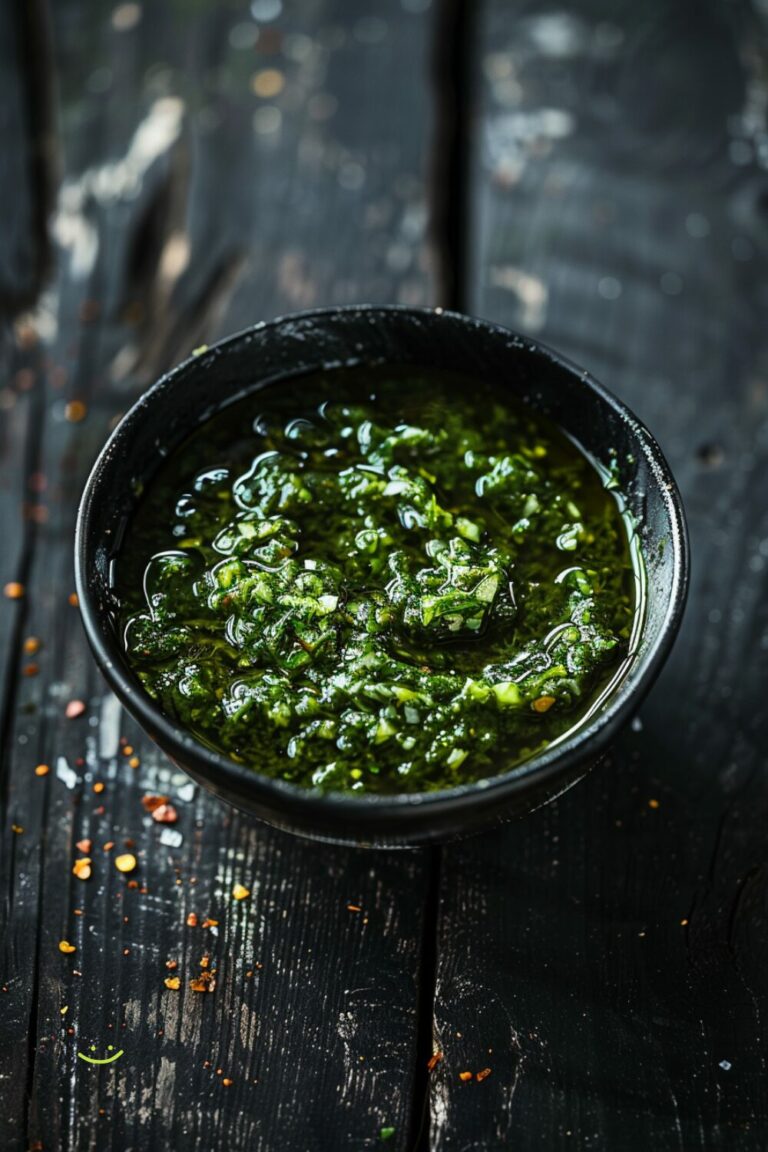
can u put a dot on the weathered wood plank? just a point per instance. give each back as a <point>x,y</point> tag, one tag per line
<point>191,205</point>
<point>24,187</point>
<point>26,155</point>
<point>612,952</point>
<point>25,176</point>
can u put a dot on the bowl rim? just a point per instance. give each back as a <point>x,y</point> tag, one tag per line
<point>341,809</point>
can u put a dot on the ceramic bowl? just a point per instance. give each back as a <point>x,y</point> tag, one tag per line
<point>290,347</point>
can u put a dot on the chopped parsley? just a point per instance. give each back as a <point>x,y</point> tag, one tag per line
<point>378,582</point>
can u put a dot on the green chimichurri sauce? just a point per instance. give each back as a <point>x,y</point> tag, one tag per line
<point>378,582</point>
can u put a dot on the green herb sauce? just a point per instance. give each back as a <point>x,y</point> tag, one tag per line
<point>379,582</point>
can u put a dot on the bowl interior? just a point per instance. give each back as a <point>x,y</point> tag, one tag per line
<point>180,401</point>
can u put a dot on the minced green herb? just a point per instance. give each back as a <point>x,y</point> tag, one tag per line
<point>378,582</point>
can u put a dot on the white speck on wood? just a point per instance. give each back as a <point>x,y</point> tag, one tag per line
<point>67,775</point>
<point>171,838</point>
<point>109,726</point>
<point>530,291</point>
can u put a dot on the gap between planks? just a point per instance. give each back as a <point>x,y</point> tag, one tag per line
<point>448,193</point>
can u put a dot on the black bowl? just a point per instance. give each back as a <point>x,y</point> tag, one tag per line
<point>293,345</point>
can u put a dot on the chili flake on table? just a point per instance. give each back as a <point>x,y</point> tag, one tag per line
<point>82,868</point>
<point>205,982</point>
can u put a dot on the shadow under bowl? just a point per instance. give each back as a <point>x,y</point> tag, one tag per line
<point>357,336</point>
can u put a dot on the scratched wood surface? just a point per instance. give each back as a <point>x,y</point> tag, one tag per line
<point>608,957</point>
<point>220,163</point>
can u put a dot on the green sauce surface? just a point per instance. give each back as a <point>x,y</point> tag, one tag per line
<point>379,581</point>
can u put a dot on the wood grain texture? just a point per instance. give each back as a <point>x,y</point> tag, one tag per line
<point>608,956</point>
<point>27,155</point>
<point>25,181</point>
<point>191,205</point>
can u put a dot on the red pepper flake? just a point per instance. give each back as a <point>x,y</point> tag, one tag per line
<point>42,770</point>
<point>205,982</point>
<point>36,512</point>
<point>77,912</point>
<point>13,590</point>
<point>82,868</point>
<point>31,645</point>
<point>127,750</point>
<point>171,965</point>
<point>150,803</point>
<point>354,908</point>
<point>173,982</point>
<point>72,599</point>
<point>129,842</point>
<point>165,814</point>
<point>133,883</point>
<point>208,923</point>
<point>465,1076</point>
<point>98,786</point>
<point>192,920</point>
<point>75,411</point>
<point>108,846</point>
<point>654,804</point>
<point>30,670</point>
<point>483,1075</point>
<point>206,1064</point>
<point>543,704</point>
<point>433,1061</point>
<point>84,846</point>
<point>126,951</point>
<point>74,709</point>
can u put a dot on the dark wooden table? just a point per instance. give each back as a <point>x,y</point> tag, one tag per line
<point>593,173</point>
